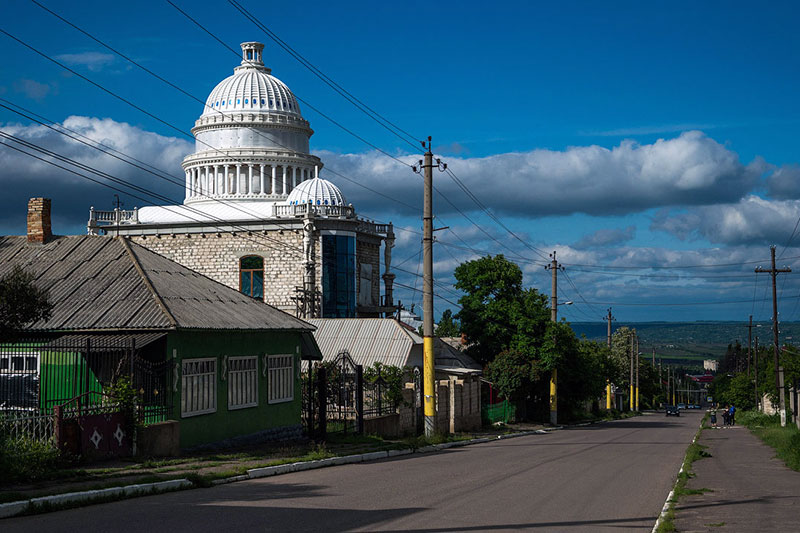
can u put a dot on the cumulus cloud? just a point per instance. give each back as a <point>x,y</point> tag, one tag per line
<point>691,169</point>
<point>24,177</point>
<point>784,183</point>
<point>94,61</point>
<point>752,220</point>
<point>607,237</point>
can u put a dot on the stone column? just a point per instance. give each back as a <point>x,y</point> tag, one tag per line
<point>388,277</point>
<point>249,179</point>
<point>237,183</point>
<point>274,179</point>
<point>188,185</point>
<point>285,176</point>
<point>294,177</point>
<point>225,184</point>
<point>263,189</point>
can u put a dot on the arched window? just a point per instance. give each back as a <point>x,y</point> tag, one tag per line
<point>251,276</point>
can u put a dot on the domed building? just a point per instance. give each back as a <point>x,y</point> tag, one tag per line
<point>256,215</point>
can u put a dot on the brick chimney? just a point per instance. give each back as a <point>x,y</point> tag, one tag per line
<point>39,220</point>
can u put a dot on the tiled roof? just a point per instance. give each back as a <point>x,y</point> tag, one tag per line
<point>106,283</point>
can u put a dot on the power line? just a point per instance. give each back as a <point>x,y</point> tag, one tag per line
<point>361,106</point>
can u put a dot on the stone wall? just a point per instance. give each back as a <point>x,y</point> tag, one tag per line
<point>217,255</point>
<point>369,253</point>
<point>458,406</point>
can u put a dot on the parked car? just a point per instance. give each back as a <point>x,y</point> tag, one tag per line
<point>672,410</point>
<point>681,406</point>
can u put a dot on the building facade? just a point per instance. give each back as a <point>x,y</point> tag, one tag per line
<point>256,215</point>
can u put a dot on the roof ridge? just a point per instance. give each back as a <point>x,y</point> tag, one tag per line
<point>147,283</point>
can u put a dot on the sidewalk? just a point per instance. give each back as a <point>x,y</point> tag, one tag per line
<point>751,490</point>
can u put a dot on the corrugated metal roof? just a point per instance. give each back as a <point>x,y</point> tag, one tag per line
<point>103,342</point>
<point>94,283</point>
<point>369,340</point>
<point>384,340</point>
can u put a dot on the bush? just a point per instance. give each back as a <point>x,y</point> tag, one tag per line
<point>23,459</point>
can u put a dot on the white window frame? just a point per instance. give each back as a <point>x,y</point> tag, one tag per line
<point>203,380</point>
<point>9,357</point>
<point>280,384</point>
<point>242,382</point>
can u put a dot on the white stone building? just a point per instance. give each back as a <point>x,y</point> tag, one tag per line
<point>256,216</point>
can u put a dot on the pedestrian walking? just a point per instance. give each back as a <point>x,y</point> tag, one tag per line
<point>714,417</point>
<point>726,417</point>
<point>732,415</point>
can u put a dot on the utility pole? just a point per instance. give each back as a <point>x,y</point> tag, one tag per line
<point>429,383</point>
<point>749,343</point>
<point>554,268</point>
<point>776,349</point>
<point>636,337</point>
<point>654,357</point>
<point>608,381</point>
<point>755,371</point>
<point>630,388</point>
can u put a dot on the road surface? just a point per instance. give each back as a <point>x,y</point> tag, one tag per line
<point>604,477</point>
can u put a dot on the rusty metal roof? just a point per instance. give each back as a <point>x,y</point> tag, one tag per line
<point>106,283</point>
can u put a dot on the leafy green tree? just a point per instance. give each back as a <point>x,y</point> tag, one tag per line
<point>447,326</point>
<point>621,356</point>
<point>21,302</point>
<point>497,314</point>
<point>513,373</point>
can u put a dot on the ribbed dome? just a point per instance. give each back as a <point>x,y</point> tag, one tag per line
<point>316,191</point>
<point>251,88</point>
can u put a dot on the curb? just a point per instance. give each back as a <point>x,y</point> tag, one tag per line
<point>15,508</point>
<point>665,508</point>
<point>10,509</point>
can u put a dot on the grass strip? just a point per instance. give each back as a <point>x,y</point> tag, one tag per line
<point>784,440</point>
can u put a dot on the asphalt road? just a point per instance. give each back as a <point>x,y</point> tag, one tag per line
<point>605,477</point>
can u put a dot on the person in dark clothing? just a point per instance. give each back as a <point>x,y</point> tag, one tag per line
<point>726,417</point>
<point>732,415</point>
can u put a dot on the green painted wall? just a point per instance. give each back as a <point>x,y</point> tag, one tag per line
<point>224,423</point>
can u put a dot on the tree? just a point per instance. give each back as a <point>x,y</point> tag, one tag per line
<point>447,326</point>
<point>21,302</point>
<point>513,374</point>
<point>497,314</point>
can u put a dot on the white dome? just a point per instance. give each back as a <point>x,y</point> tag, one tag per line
<point>316,191</point>
<point>251,88</point>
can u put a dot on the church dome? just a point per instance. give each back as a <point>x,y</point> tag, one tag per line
<point>316,191</point>
<point>252,88</point>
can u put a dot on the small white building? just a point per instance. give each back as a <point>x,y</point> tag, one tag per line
<point>710,365</point>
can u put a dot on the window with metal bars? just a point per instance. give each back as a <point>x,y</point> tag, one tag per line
<point>198,386</point>
<point>281,378</point>
<point>242,382</point>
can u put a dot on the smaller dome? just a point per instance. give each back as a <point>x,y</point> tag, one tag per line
<point>316,191</point>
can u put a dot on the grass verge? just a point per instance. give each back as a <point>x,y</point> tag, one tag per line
<point>785,440</point>
<point>694,453</point>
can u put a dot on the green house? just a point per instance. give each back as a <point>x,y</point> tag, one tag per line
<point>224,365</point>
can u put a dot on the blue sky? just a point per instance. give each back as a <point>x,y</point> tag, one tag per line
<point>620,134</point>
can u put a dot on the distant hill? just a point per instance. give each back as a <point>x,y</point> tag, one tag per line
<point>690,342</point>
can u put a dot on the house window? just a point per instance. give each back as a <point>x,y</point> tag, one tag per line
<point>338,276</point>
<point>198,386</point>
<point>281,378</point>
<point>242,382</point>
<point>20,363</point>
<point>251,276</point>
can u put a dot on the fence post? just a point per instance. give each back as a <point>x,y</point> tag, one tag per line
<point>58,430</point>
<point>359,400</point>
<point>322,398</point>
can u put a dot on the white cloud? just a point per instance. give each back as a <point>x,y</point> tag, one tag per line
<point>32,89</point>
<point>94,61</point>
<point>752,220</point>
<point>23,177</point>
<point>691,169</point>
<point>606,237</point>
<point>784,182</point>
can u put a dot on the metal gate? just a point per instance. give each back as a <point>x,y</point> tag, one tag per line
<point>344,396</point>
<point>419,417</point>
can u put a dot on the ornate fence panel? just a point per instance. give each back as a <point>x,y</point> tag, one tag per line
<point>93,425</point>
<point>154,381</point>
<point>377,401</point>
<point>344,396</point>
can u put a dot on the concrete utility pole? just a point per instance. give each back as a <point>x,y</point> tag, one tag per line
<point>554,268</point>
<point>631,393</point>
<point>776,348</point>
<point>429,381</point>
<point>755,372</point>
<point>636,337</point>
<point>749,343</point>
<point>608,381</point>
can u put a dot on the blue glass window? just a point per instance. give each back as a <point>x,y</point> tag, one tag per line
<point>262,101</point>
<point>238,101</point>
<point>338,276</point>
<point>251,276</point>
<point>245,100</point>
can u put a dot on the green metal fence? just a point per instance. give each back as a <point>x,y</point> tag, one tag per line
<point>504,411</point>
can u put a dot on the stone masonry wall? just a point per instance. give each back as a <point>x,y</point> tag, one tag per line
<point>217,255</point>
<point>368,253</point>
